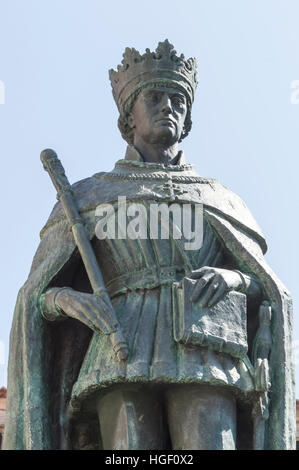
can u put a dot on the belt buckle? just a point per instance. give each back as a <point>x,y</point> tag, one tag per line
<point>167,273</point>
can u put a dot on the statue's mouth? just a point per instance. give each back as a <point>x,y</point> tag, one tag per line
<point>166,121</point>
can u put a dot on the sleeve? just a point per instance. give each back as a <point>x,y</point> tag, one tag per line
<point>48,306</point>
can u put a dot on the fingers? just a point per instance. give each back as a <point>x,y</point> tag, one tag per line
<point>100,313</point>
<point>210,292</point>
<point>218,294</point>
<point>90,310</point>
<point>198,273</point>
<point>200,285</point>
<point>81,315</point>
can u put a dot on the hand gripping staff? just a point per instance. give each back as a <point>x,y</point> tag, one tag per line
<point>53,166</point>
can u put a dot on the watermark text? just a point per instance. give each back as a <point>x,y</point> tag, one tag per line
<point>295,92</point>
<point>153,220</point>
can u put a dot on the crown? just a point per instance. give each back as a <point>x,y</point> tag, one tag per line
<point>160,68</point>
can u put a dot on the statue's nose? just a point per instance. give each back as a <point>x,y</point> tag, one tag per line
<point>166,104</point>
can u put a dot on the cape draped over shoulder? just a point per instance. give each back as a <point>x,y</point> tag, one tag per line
<point>36,416</point>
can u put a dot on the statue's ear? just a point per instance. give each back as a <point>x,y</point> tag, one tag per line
<point>131,121</point>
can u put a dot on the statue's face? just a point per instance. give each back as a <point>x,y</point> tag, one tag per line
<point>158,116</point>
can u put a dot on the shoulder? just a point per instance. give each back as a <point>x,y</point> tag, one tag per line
<point>218,197</point>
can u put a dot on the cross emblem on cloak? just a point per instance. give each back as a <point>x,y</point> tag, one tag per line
<point>172,189</point>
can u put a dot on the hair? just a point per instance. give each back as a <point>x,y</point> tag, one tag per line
<point>123,124</point>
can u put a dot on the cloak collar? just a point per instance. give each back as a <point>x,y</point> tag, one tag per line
<point>133,154</point>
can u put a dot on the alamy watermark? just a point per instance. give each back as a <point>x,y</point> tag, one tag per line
<point>295,92</point>
<point>2,92</point>
<point>154,220</point>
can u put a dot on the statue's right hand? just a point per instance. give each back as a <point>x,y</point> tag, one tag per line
<point>90,309</point>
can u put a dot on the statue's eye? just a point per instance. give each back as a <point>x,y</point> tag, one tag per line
<point>153,97</point>
<point>178,101</point>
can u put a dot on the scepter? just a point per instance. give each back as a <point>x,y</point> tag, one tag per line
<point>53,166</point>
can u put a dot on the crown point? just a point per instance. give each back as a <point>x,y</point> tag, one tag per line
<point>162,63</point>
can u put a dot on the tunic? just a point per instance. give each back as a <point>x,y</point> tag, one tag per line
<point>139,274</point>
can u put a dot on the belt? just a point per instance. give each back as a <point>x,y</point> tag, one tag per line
<point>147,278</point>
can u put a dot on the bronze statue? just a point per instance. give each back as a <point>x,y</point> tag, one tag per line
<point>153,335</point>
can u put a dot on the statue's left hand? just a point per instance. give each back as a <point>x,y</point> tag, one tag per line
<point>212,284</point>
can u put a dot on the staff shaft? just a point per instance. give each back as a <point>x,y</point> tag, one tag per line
<point>56,171</point>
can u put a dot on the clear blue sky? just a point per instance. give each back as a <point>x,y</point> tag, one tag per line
<point>54,61</point>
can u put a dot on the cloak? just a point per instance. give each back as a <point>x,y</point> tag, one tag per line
<point>45,357</point>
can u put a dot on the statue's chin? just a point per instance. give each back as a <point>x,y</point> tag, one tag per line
<point>166,135</point>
